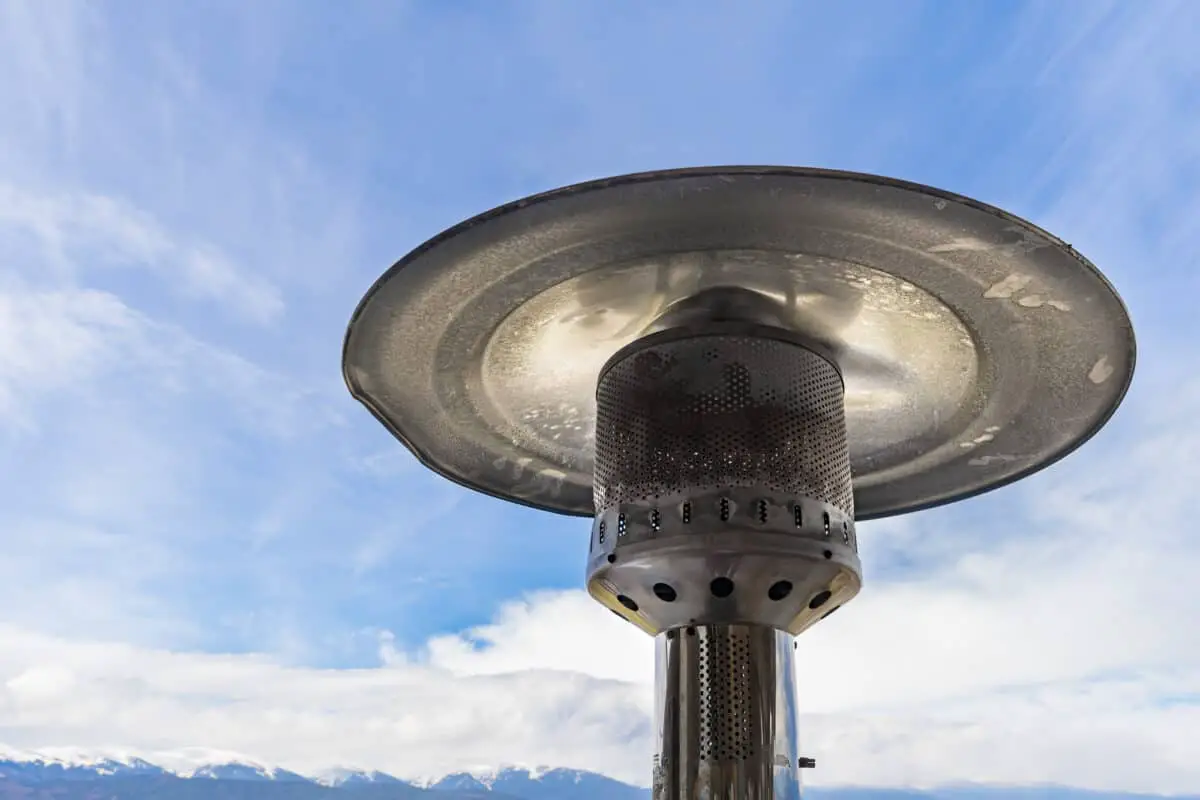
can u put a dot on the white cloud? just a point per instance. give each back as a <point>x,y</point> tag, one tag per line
<point>55,339</point>
<point>76,232</point>
<point>414,719</point>
<point>581,640</point>
<point>110,420</point>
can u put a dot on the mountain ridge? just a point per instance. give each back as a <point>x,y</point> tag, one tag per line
<point>72,775</point>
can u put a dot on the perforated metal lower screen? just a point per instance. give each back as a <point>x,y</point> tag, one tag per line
<point>716,411</point>
<point>726,705</point>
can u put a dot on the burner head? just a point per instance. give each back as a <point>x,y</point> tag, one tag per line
<point>733,406</point>
<point>974,347</point>
<point>722,486</point>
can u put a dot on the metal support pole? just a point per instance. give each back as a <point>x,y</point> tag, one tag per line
<point>726,714</point>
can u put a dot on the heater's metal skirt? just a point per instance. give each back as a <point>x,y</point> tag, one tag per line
<point>726,714</point>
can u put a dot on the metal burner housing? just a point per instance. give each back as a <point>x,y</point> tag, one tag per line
<point>722,486</point>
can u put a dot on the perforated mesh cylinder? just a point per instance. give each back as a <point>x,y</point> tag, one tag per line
<point>687,415</point>
<point>722,484</point>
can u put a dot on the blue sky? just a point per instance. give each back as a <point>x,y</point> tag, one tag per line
<point>207,544</point>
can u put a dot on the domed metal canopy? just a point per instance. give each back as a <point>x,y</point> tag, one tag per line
<point>975,348</point>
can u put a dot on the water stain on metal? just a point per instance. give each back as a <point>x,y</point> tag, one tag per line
<point>986,461</point>
<point>965,244</point>
<point>1101,371</point>
<point>1007,287</point>
<point>1037,301</point>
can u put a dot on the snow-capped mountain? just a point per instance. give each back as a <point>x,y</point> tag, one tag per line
<point>72,775</point>
<point>235,771</point>
<point>70,765</point>
<point>68,775</point>
<point>541,784</point>
<point>341,777</point>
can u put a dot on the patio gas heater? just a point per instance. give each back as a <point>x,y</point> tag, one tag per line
<point>727,369</point>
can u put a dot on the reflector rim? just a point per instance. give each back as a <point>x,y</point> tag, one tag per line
<point>431,463</point>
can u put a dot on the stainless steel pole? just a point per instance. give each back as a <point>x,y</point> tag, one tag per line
<point>726,714</point>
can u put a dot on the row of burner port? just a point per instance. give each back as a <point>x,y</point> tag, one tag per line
<point>722,587</point>
<point>653,520</point>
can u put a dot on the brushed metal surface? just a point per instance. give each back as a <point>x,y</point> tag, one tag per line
<point>975,347</point>
<point>726,716</point>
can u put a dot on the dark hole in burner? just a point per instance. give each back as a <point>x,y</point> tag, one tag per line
<point>721,587</point>
<point>828,554</point>
<point>779,590</point>
<point>612,558</point>
<point>819,599</point>
<point>691,631</point>
<point>664,592</point>
<point>629,602</point>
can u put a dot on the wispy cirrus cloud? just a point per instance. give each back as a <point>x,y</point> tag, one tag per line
<point>69,233</point>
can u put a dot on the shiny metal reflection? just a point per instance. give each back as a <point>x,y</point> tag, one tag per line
<point>908,361</point>
<point>976,348</point>
<point>726,714</point>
